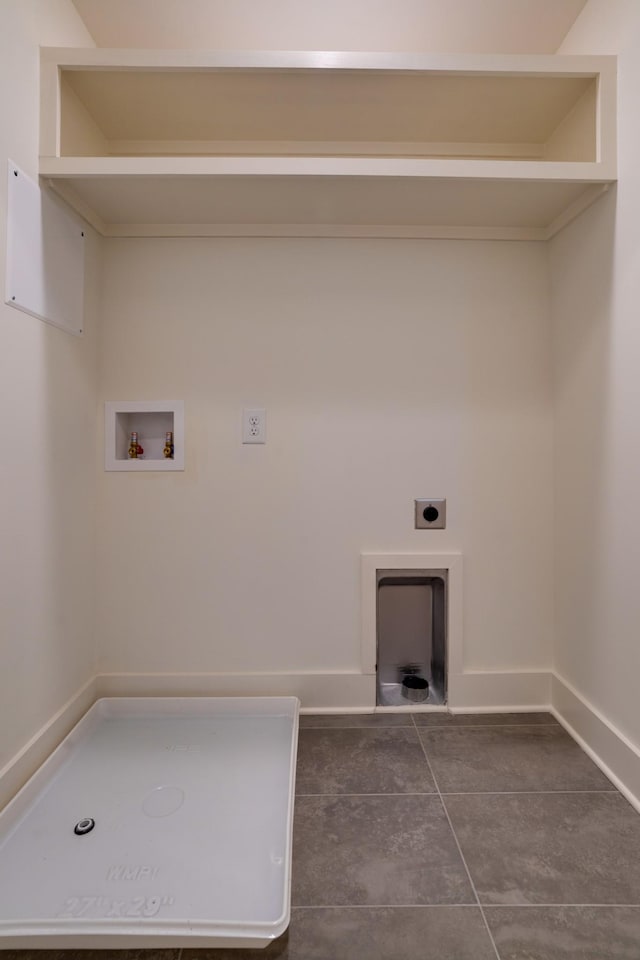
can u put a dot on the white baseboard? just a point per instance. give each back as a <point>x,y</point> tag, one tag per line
<point>615,754</point>
<point>513,691</point>
<point>320,691</point>
<point>335,692</point>
<point>25,763</point>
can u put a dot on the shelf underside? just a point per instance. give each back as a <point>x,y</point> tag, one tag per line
<point>340,205</point>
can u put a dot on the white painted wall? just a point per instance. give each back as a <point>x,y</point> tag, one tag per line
<point>389,370</point>
<point>436,26</point>
<point>595,273</point>
<point>47,467</point>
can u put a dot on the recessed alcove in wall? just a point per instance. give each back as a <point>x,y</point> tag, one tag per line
<point>151,419</point>
<point>448,565</point>
<point>411,662</point>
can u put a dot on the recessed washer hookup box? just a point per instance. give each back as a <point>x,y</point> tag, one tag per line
<point>157,822</point>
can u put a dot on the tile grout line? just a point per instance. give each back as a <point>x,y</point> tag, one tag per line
<point>454,727</point>
<point>416,793</point>
<point>522,793</point>
<point>465,793</point>
<point>547,906</point>
<point>457,843</point>
<point>455,906</point>
<point>385,906</point>
<point>427,726</point>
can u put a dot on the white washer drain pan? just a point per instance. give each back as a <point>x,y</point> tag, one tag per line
<point>193,807</point>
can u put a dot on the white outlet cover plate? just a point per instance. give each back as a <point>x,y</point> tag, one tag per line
<point>254,425</point>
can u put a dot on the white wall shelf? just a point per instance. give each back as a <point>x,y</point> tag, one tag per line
<point>156,142</point>
<point>151,419</point>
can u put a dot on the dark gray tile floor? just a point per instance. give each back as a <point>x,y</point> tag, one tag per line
<point>367,760</point>
<point>485,837</point>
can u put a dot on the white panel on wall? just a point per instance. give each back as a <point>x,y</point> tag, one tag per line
<point>45,255</point>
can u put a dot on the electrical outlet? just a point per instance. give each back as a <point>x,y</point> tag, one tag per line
<point>254,425</point>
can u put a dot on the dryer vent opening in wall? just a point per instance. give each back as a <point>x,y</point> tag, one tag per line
<point>412,637</point>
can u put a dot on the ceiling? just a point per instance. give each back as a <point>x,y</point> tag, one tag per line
<point>430,26</point>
